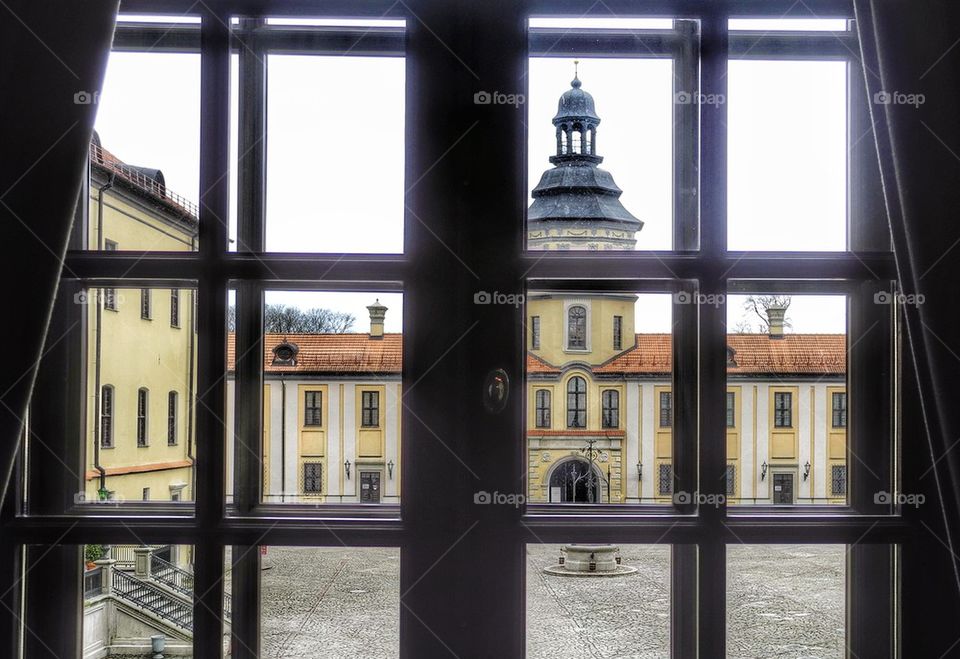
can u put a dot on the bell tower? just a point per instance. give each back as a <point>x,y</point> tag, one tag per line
<point>577,205</point>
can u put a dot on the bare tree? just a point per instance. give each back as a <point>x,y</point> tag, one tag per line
<point>284,319</point>
<point>757,305</point>
<point>743,326</point>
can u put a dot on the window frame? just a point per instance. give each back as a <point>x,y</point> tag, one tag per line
<point>542,408</point>
<point>173,399</point>
<point>369,408</point>
<point>146,304</point>
<point>698,551</point>
<point>143,417</point>
<point>610,409</point>
<point>577,323</point>
<point>175,308</point>
<point>315,421</point>
<point>577,417</point>
<point>838,415</point>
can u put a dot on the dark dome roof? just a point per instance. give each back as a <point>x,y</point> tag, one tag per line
<point>576,104</point>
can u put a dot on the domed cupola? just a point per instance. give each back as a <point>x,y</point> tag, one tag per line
<point>577,205</point>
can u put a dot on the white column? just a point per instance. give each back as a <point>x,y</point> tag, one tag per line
<point>803,437</point>
<point>631,452</point>
<point>392,440</point>
<point>647,441</point>
<point>748,470</point>
<point>334,473</point>
<point>763,441</point>
<point>291,441</point>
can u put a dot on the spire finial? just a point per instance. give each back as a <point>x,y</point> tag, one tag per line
<point>575,83</point>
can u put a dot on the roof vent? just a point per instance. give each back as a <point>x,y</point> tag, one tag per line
<point>285,354</point>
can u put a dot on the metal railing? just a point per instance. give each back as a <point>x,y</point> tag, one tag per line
<point>150,185</point>
<point>153,599</point>
<point>92,582</point>
<point>170,575</point>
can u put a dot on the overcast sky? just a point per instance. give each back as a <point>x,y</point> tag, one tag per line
<point>335,172</point>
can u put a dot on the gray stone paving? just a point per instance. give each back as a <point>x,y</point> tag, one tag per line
<point>785,601</point>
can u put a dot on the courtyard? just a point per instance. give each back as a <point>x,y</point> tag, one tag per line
<point>784,601</point>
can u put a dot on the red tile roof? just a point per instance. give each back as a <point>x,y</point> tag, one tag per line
<point>756,354</point>
<point>333,354</point>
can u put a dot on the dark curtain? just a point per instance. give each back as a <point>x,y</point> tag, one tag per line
<point>52,63</point>
<point>911,56</point>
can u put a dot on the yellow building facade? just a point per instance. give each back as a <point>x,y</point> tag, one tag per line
<point>141,343</point>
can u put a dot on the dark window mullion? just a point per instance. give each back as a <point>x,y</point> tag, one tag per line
<point>210,466</point>
<point>712,367</point>
<point>248,376</point>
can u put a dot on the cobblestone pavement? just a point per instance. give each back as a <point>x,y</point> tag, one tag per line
<point>785,601</point>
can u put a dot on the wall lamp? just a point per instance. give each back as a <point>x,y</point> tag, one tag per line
<point>346,468</point>
<point>806,470</point>
<point>390,469</point>
<point>763,470</point>
<point>640,471</point>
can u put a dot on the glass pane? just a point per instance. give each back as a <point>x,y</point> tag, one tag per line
<point>599,402</point>
<point>786,600</point>
<point>140,389</point>
<point>332,397</point>
<point>328,601</point>
<point>786,399</point>
<point>133,593</point>
<point>145,154</point>
<point>789,24</point>
<point>601,140</point>
<point>335,180</point>
<point>787,188</point>
<point>601,601</point>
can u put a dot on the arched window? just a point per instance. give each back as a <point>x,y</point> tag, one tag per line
<point>106,416</point>
<point>576,403</point>
<point>543,408</point>
<point>610,402</point>
<point>577,328</point>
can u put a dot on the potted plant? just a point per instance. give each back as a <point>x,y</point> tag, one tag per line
<point>92,553</point>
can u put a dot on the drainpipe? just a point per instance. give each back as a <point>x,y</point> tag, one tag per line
<point>97,393</point>
<point>283,439</point>
<point>190,393</point>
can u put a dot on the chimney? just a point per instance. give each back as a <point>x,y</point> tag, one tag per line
<point>377,314</point>
<point>775,315</point>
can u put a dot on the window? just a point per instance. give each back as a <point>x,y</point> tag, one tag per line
<point>146,494</point>
<point>838,480</point>
<point>543,408</point>
<point>839,409</point>
<point>145,310</point>
<point>312,478</point>
<point>731,409</point>
<point>577,328</point>
<point>783,409</point>
<point>618,332</point>
<point>174,307</point>
<point>731,480</point>
<point>576,402</point>
<point>172,418</point>
<point>665,479</point>
<point>312,408</point>
<point>371,409</point>
<point>535,332</point>
<point>611,408</point>
<point>142,402</point>
<point>666,409</point>
<point>106,416</point>
<point>110,294</point>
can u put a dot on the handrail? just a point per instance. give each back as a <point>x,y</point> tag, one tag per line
<point>170,575</point>
<point>153,598</point>
<point>147,184</point>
